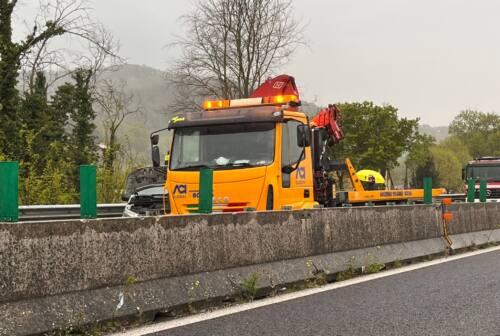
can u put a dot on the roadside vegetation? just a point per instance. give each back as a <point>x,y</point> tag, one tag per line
<point>50,97</point>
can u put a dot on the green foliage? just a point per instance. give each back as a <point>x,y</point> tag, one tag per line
<point>419,163</point>
<point>11,53</point>
<point>319,276</point>
<point>131,280</point>
<point>50,187</point>
<point>50,137</point>
<point>81,113</point>
<point>427,168</point>
<point>479,131</point>
<point>349,272</point>
<point>57,136</point>
<point>458,147</point>
<point>373,266</point>
<point>375,137</point>
<point>448,167</point>
<point>110,184</point>
<point>249,286</point>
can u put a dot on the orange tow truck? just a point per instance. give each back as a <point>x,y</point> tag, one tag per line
<point>265,155</point>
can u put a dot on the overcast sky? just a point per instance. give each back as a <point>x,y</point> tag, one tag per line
<point>429,58</point>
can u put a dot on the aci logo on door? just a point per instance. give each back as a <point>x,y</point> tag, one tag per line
<point>180,189</point>
<point>300,176</point>
<point>301,173</point>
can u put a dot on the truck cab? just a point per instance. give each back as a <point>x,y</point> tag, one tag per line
<point>484,168</point>
<point>258,149</point>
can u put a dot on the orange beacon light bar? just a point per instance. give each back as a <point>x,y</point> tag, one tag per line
<point>260,101</point>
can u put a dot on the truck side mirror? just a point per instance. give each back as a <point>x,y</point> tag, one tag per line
<point>155,155</point>
<point>463,174</point>
<point>303,136</point>
<point>154,139</point>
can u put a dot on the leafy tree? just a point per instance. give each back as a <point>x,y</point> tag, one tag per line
<point>82,117</point>
<point>55,18</point>
<point>419,163</point>
<point>479,131</point>
<point>74,102</point>
<point>426,168</point>
<point>457,146</point>
<point>34,115</point>
<point>442,162</point>
<point>448,168</point>
<point>375,137</point>
<point>11,54</point>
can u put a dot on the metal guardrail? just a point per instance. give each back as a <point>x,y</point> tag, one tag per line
<point>454,197</point>
<point>72,211</point>
<point>68,211</point>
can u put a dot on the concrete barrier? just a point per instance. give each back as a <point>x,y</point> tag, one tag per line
<point>60,273</point>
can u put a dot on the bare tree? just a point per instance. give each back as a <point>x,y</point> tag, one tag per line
<point>81,43</point>
<point>116,105</point>
<point>231,47</point>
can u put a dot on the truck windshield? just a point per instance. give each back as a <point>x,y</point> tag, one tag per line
<point>223,146</point>
<point>484,172</point>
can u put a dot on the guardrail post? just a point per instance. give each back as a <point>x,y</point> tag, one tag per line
<point>482,190</point>
<point>9,191</point>
<point>427,190</point>
<point>206,190</point>
<point>471,190</point>
<point>88,193</point>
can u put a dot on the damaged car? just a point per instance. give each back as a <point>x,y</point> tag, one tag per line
<point>145,193</point>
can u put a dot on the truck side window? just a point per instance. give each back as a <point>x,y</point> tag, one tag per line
<point>290,152</point>
<point>187,148</point>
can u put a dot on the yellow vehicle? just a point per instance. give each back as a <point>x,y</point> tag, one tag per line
<point>253,152</point>
<point>361,196</point>
<point>264,154</point>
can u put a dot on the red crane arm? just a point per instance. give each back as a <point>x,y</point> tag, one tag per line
<point>285,85</point>
<point>280,85</point>
<point>330,119</point>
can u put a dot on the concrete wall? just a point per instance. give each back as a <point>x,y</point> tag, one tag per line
<point>59,259</point>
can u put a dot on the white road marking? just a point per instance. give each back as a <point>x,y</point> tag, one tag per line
<point>161,326</point>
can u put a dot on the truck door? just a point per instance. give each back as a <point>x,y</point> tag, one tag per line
<point>295,188</point>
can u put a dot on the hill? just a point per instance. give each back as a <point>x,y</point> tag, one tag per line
<point>438,132</point>
<point>152,94</point>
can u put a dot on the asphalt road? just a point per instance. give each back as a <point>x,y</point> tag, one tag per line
<point>460,297</point>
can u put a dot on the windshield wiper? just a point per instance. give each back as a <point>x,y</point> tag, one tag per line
<point>193,167</point>
<point>235,164</point>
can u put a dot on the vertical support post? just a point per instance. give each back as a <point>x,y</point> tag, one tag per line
<point>206,190</point>
<point>482,190</point>
<point>471,190</point>
<point>427,190</point>
<point>9,191</point>
<point>88,193</point>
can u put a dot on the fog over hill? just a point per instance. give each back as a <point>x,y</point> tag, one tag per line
<point>152,92</point>
<point>438,132</point>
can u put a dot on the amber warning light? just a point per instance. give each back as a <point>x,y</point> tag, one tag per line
<point>245,102</point>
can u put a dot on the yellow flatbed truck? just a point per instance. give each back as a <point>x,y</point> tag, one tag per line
<point>264,153</point>
<point>360,196</point>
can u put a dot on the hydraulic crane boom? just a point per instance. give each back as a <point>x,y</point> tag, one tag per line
<point>329,118</point>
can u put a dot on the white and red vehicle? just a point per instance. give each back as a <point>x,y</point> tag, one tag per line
<point>484,168</point>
